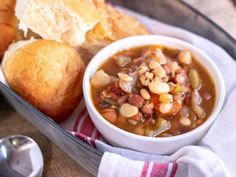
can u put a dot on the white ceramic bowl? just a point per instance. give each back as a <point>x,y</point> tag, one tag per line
<point>163,145</point>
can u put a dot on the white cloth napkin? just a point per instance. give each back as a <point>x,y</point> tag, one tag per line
<point>215,156</point>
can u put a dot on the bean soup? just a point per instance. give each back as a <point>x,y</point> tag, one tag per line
<point>153,91</point>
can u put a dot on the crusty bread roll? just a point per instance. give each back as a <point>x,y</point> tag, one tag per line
<point>46,73</point>
<point>113,26</point>
<point>61,20</point>
<point>8,25</point>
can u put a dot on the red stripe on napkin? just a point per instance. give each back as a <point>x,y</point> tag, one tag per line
<point>80,136</point>
<point>87,127</point>
<point>93,142</point>
<point>159,170</point>
<point>84,138</point>
<point>174,169</point>
<point>145,169</point>
<point>78,118</point>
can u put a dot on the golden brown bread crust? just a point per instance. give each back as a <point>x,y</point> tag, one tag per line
<point>47,74</point>
<point>7,5</point>
<point>7,18</point>
<point>122,24</point>
<point>8,25</point>
<point>8,34</point>
<point>113,26</point>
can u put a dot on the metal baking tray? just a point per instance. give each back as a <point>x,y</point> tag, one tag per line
<point>184,15</point>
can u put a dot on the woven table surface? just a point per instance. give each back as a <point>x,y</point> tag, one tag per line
<point>59,164</point>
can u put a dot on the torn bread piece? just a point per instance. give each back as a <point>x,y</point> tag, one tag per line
<point>8,25</point>
<point>7,5</point>
<point>61,20</point>
<point>113,26</point>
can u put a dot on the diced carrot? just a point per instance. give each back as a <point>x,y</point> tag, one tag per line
<point>155,100</point>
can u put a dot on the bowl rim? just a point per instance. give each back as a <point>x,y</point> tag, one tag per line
<point>88,96</point>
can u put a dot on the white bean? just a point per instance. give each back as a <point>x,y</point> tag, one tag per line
<point>100,79</point>
<point>145,94</point>
<point>159,87</point>
<point>128,110</point>
<point>165,107</point>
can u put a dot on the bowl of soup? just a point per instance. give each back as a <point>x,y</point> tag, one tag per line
<point>153,93</point>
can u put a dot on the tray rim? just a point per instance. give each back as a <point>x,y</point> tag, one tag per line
<point>210,21</point>
<point>46,119</point>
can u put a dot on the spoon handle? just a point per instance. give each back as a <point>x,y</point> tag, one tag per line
<point>6,170</point>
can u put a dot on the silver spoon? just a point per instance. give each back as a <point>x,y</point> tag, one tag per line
<point>20,156</point>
